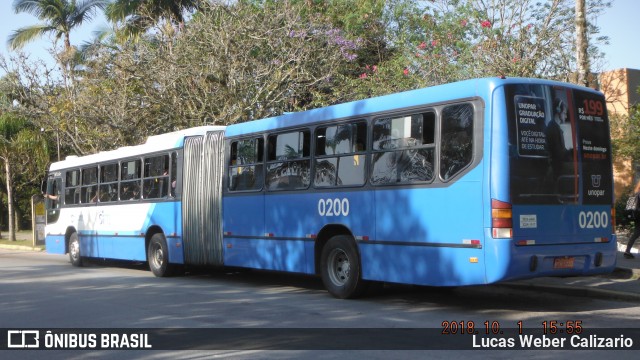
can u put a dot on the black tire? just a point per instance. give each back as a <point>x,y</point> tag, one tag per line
<point>74,250</point>
<point>158,256</point>
<point>340,268</point>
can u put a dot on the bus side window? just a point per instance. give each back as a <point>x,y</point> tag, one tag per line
<point>245,165</point>
<point>89,189</point>
<point>108,190</point>
<point>403,149</point>
<point>72,187</point>
<point>289,161</point>
<point>130,180</point>
<point>338,159</point>
<point>52,198</point>
<point>456,148</point>
<point>156,177</point>
<point>174,174</point>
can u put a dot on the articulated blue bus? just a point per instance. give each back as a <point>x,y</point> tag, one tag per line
<point>467,183</point>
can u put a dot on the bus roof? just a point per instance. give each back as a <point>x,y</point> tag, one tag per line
<point>435,94</point>
<point>154,143</point>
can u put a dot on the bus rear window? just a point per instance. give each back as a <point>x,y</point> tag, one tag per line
<point>559,146</point>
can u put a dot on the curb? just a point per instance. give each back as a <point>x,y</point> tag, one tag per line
<point>580,291</point>
<point>585,291</point>
<point>20,247</point>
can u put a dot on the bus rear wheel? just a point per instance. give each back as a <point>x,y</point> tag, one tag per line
<point>158,256</point>
<point>74,250</point>
<point>340,268</point>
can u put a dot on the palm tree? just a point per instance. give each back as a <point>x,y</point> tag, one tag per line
<point>58,17</point>
<point>137,16</point>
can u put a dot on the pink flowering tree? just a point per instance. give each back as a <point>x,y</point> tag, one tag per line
<point>526,38</point>
<point>442,41</point>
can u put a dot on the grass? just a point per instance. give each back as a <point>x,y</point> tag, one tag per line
<point>23,238</point>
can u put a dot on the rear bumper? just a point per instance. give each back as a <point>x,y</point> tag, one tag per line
<point>531,261</point>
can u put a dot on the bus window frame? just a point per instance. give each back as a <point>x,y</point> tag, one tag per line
<point>111,199</point>
<point>475,137</point>
<point>162,179</point>
<point>476,103</point>
<point>277,160</point>
<point>76,188</point>
<point>261,162</point>
<point>365,152</point>
<point>174,173</point>
<point>428,108</point>
<point>138,179</point>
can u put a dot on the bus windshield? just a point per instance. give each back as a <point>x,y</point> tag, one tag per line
<point>559,146</point>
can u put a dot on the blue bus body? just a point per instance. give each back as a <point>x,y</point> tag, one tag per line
<point>457,184</point>
<point>420,234</point>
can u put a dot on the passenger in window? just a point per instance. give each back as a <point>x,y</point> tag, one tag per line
<point>162,189</point>
<point>127,192</point>
<point>113,195</point>
<point>51,197</point>
<point>136,193</point>
<point>130,192</point>
<point>100,197</point>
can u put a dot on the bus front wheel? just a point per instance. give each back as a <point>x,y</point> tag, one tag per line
<point>74,250</point>
<point>158,256</point>
<point>340,266</point>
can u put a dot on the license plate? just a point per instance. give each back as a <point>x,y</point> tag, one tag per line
<point>563,263</point>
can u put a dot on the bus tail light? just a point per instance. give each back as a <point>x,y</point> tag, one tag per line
<point>525,242</point>
<point>501,219</point>
<point>613,220</point>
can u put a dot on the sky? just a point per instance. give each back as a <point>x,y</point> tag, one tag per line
<point>39,49</point>
<point>619,23</point>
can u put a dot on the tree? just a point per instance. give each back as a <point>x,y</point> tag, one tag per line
<point>59,17</point>
<point>247,59</point>
<point>231,63</point>
<point>378,28</point>
<point>22,151</point>
<point>138,16</point>
<point>34,91</point>
<point>259,60</point>
<point>626,132</point>
<point>443,41</point>
<point>582,44</point>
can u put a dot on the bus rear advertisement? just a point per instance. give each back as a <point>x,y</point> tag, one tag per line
<point>467,183</point>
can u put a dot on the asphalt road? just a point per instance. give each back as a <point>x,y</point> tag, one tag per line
<point>42,291</point>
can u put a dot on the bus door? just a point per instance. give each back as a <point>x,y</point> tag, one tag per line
<point>202,199</point>
<point>52,197</point>
<point>244,211</point>
<point>287,205</point>
<point>54,238</point>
